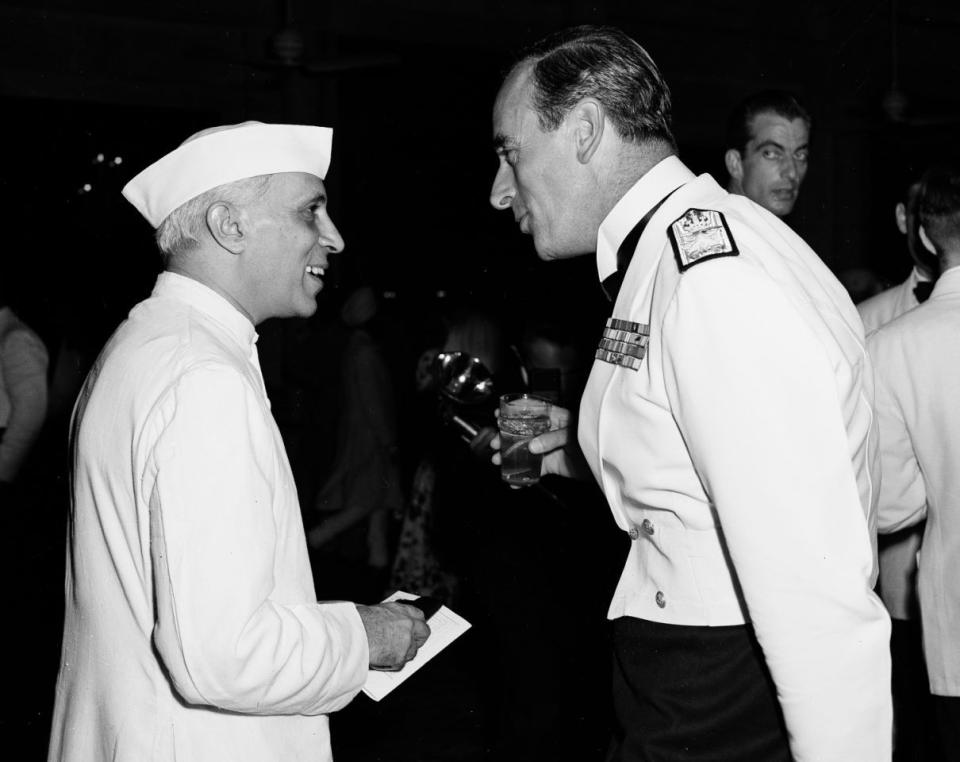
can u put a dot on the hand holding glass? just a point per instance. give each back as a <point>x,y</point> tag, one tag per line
<point>522,417</point>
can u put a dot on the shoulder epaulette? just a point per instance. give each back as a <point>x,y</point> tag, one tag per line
<point>698,235</point>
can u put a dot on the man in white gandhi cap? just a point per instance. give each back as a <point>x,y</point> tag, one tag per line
<point>192,629</point>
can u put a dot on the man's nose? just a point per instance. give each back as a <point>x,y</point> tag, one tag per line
<point>789,169</point>
<point>330,237</point>
<point>503,190</point>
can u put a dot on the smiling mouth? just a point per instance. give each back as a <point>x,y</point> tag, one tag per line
<point>315,271</point>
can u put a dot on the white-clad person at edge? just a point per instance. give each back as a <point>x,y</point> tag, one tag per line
<point>727,419</point>
<point>192,630</point>
<point>917,364</point>
<point>913,711</point>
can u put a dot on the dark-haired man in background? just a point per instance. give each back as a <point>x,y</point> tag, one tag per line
<point>726,418</point>
<point>918,405</point>
<point>879,310</point>
<point>767,148</point>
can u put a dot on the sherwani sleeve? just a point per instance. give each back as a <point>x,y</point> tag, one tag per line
<point>24,369</point>
<point>903,496</point>
<point>218,544</point>
<point>756,401</point>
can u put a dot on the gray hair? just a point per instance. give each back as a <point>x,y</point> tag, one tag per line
<point>181,230</point>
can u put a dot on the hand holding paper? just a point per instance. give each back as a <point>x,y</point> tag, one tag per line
<point>394,633</point>
<point>445,627</point>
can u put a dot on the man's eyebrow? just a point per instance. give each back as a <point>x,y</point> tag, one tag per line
<point>503,142</point>
<point>769,144</point>
<point>775,144</point>
<point>315,199</point>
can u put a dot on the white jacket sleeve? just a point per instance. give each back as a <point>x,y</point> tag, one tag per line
<point>903,495</point>
<point>217,541</point>
<point>757,403</point>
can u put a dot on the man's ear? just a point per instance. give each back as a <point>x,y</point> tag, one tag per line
<point>901,214</point>
<point>734,163</point>
<point>927,243</point>
<point>227,226</point>
<point>588,124</point>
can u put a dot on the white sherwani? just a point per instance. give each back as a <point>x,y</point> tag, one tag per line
<point>745,435</point>
<point>192,631</point>
<point>917,358</point>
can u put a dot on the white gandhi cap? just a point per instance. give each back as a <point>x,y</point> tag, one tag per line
<point>222,155</point>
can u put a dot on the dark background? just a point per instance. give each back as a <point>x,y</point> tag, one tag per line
<point>408,86</point>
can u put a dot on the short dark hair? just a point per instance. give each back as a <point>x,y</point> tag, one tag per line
<point>939,207</point>
<point>779,102</point>
<point>911,208</point>
<point>606,64</point>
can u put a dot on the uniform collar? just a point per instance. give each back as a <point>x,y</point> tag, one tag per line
<point>204,299</point>
<point>662,178</point>
<point>947,283</point>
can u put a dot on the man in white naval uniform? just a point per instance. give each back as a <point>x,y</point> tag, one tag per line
<point>727,420</point>
<point>192,630</point>
<point>918,404</point>
<point>897,552</point>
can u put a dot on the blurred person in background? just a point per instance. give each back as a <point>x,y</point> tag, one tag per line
<point>23,391</point>
<point>31,537</point>
<point>516,556</point>
<point>860,282</point>
<point>349,537</point>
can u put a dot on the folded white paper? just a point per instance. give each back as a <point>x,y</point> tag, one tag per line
<point>445,627</point>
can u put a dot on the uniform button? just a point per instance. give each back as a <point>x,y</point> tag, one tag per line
<point>634,533</point>
<point>661,600</point>
<point>647,527</point>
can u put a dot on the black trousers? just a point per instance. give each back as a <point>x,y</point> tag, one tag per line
<point>915,736</point>
<point>694,694</point>
<point>948,725</point>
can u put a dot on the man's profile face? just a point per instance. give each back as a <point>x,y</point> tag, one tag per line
<point>292,235</point>
<point>771,168</point>
<point>534,178</point>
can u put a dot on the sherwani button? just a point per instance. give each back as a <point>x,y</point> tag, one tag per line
<point>661,599</point>
<point>634,533</point>
<point>647,526</point>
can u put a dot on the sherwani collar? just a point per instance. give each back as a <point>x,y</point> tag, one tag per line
<point>204,299</point>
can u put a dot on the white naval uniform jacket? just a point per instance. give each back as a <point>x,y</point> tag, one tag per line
<point>917,359</point>
<point>192,630</point>
<point>745,441</point>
